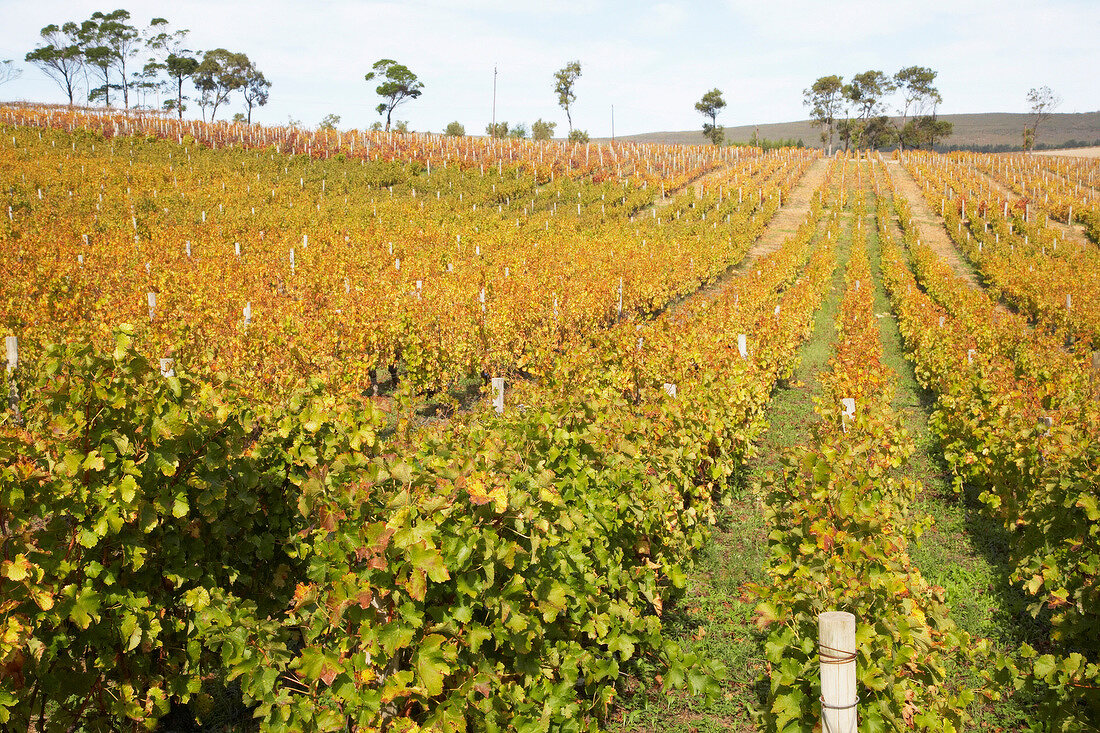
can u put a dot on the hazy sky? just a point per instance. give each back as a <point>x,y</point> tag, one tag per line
<point>652,61</point>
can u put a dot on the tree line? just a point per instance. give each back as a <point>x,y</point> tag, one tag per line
<point>108,55</point>
<point>856,112</point>
<point>102,55</point>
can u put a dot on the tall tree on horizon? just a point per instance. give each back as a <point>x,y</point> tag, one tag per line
<point>112,44</point>
<point>60,57</point>
<point>220,73</point>
<point>398,85</point>
<point>866,93</point>
<point>257,88</point>
<point>180,66</point>
<point>97,56</point>
<point>564,80</point>
<point>916,86</point>
<point>177,63</point>
<point>1042,101</point>
<point>825,98</point>
<point>710,105</point>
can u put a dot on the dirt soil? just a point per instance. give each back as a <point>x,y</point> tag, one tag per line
<point>1073,152</point>
<point>783,224</point>
<point>790,214</point>
<point>929,225</point>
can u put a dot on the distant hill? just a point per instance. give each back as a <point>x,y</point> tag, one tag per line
<point>993,128</point>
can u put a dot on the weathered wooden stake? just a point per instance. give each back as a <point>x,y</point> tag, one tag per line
<point>11,344</point>
<point>498,394</point>
<point>848,411</point>
<point>743,345</point>
<point>837,654</point>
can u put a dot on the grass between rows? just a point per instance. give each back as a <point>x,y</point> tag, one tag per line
<point>964,552</point>
<point>716,615</point>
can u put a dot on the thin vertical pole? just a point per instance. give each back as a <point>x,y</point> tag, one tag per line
<point>494,127</point>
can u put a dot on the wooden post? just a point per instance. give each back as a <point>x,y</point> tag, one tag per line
<point>670,389</point>
<point>837,654</point>
<point>498,394</point>
<point>848,411</point>
<point>152,299</point>
<point>168,367</point>
<point>742,345</point>
<point>11,344</point>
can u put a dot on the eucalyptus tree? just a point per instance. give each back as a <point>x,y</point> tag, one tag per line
<point>397,86</point>
<point>256,89</point>
<point>565,79</point>
<point>220,73</point>
<point>111,43</point>
<point>1042,102</point>
<point>825,98</point>
<point>60,56</point>
<point>916,85</point>
<point>710,105</point>
<point>172,58</point>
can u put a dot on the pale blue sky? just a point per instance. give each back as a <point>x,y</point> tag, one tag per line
<point>652,61</point>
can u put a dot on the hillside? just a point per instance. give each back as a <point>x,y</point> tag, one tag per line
<point>995,128</point>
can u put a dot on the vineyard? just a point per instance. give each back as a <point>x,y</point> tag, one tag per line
<point>318,431</point>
